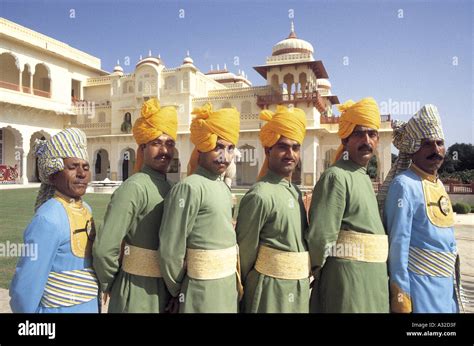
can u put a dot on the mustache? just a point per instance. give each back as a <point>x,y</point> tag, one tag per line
<point>166,156</point>
<point>435,156</point>
<point>365,147</point>
<point>225,162</point>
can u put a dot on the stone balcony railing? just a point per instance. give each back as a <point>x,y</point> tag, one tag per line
<point>292,57</point>
<point>309,97</point>
<point>335,119</point>
<point>92,126</point>
<point>25,89</point>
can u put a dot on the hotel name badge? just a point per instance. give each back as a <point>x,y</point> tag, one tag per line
<point>444,205</point>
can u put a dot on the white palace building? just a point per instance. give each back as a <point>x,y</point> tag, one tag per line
<point>46,86</point>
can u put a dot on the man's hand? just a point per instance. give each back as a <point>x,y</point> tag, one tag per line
<point>173,306</point>
<point>315,277</point>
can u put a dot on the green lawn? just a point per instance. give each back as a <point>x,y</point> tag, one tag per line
<point>16,211</point>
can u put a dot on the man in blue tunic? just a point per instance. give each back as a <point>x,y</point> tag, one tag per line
<point>423,260</point>
<point>61,278</point>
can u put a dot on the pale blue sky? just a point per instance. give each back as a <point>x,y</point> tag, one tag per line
<point>396,51</point>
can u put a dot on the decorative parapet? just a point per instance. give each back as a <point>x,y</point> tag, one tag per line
<point>104,80</point>
<point>249,116</point>
<point>91,126</point>
<point>84,107</point>
<point>47,43</point>
<point>313,98</point>
<point>278,59</point>
<point>335,119</point>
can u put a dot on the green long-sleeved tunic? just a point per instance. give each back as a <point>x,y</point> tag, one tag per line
<point>343,199</point>
<point>272,214</point>
<point>198,215</point>
<point>134,216</point>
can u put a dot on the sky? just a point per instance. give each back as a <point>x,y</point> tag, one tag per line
<point>403,53</point>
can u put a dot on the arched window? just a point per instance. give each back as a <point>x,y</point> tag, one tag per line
<point>98,163</point>
<point>127,123</point>
<point>9,72</point>
<point>42,81</point>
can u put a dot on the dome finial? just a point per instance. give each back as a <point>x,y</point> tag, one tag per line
<point>292,30</point>
<point>187,52</point>
<point>149,52</point>
<point>118,62</point>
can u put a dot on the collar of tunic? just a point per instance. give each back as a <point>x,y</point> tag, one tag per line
<point>208,174</point>
<point>422,174</point>
<point>352,166</point>
<point>275,178</point>
<point>71,202</point>
<point>154,174</point>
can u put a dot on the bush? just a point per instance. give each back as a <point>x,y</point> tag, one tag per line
<point>461,208</point>
<point>472,208</point>
<point>464,177</point>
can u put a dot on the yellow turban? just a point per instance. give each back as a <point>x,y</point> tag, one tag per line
<point>363,113</point>
<point>286,122</point>
<point>152,123</point>
<point>207,126</point>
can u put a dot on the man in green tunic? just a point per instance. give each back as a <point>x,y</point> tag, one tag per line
<point>272,222</point>
<point>198,253</point>
<point>125,250</point>
<point>346,239</point>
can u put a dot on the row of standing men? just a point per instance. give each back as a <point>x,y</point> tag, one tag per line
<point>165,248</point>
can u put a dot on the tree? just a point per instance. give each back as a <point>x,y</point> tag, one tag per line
<point>459,157</point>
<point>372,167</point>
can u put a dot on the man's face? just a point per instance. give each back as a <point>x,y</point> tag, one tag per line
<point>158,153</point>
<point>361,144</point>
<point>283,156</point>
<point>430,156</point>
<point>73,179</point>
<point>217,160</point>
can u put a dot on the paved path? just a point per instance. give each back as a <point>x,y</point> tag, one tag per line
<point>4,299</point>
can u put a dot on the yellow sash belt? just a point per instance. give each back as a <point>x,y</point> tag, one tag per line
<point>283,264</point>
<point>211,264</point>
<point>140,261</point>
<point>362,247</point>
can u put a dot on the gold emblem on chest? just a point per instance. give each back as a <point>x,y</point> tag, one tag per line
<point>438,205</point>
<point>444,205</point>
